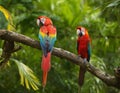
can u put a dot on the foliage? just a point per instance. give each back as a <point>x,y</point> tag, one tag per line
<point>25,72</point>
<point>100,17</point>
<point>8,17</point>
<point>27,76</point>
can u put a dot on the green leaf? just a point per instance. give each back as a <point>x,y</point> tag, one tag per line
<point>113,4</point>
<point>8,18</point>
<point>27,76</point>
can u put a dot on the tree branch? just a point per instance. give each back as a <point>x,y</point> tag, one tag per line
<point>106,78</point>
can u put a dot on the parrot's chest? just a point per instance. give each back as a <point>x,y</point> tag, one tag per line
<point>82,47</point>
<point>83,44</point>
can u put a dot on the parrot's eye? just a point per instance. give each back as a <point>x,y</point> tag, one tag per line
<point>83,31</point>
<point>42,20</point>
<point>78,31</point>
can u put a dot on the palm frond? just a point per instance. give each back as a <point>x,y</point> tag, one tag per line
<point>27,76</point>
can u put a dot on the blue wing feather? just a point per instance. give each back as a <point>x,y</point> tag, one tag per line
<point>52,41</point>
<point>47,43</point>
<point>42,43</point>
<point>89,51</point>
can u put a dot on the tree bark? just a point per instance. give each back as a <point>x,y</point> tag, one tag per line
<point>106,78</point>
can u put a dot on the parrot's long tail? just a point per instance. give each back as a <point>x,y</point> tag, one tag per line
<point>45,65</point>
<point>81,76</point>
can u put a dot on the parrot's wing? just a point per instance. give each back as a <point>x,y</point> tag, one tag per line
<point>52,41</point>
<point>43,39</point>
<point>78,45</point>
<point>89,51</point>
<point>52,36</point>
<point>47,40</point>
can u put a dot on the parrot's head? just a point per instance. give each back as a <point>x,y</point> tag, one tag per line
<point>81,31</point>
<point>43,20</point>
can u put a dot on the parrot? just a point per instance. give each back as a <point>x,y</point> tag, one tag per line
<point>47,36</point>
<point>83,49</point>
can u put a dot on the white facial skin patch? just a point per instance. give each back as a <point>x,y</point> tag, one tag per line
<point>83,31</point>
<point>80,31</point>
<point>42,20</point>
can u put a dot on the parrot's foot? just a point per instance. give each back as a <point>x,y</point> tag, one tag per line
<point>79,56</point>
<point>85,60</point>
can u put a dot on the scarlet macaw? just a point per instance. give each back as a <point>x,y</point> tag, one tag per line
<point>47,37</point>
<point>83,49</point>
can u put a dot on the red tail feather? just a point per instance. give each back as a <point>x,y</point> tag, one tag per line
<point>81,76</point>
<point>45,65</point>
<point>44,78</point>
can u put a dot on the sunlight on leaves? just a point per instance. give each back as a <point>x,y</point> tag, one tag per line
<point>114,3</point>
<point>27,76</point>
<point>5,12</point>
<point>9,18</point>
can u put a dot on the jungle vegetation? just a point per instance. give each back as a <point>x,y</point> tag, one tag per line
<point>23,74</point>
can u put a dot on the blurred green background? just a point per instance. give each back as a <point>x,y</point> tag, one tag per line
<point>100,17</point>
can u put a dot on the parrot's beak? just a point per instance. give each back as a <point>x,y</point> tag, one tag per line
<point>38,22</point>
<point>81,33</point>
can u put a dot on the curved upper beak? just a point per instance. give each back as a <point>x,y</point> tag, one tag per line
<point>38,22</point>
<point>80,34</point>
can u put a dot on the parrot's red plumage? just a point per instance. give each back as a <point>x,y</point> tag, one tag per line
<point>45,65</point>
<point>47,36</point>
<point>83,49</point>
